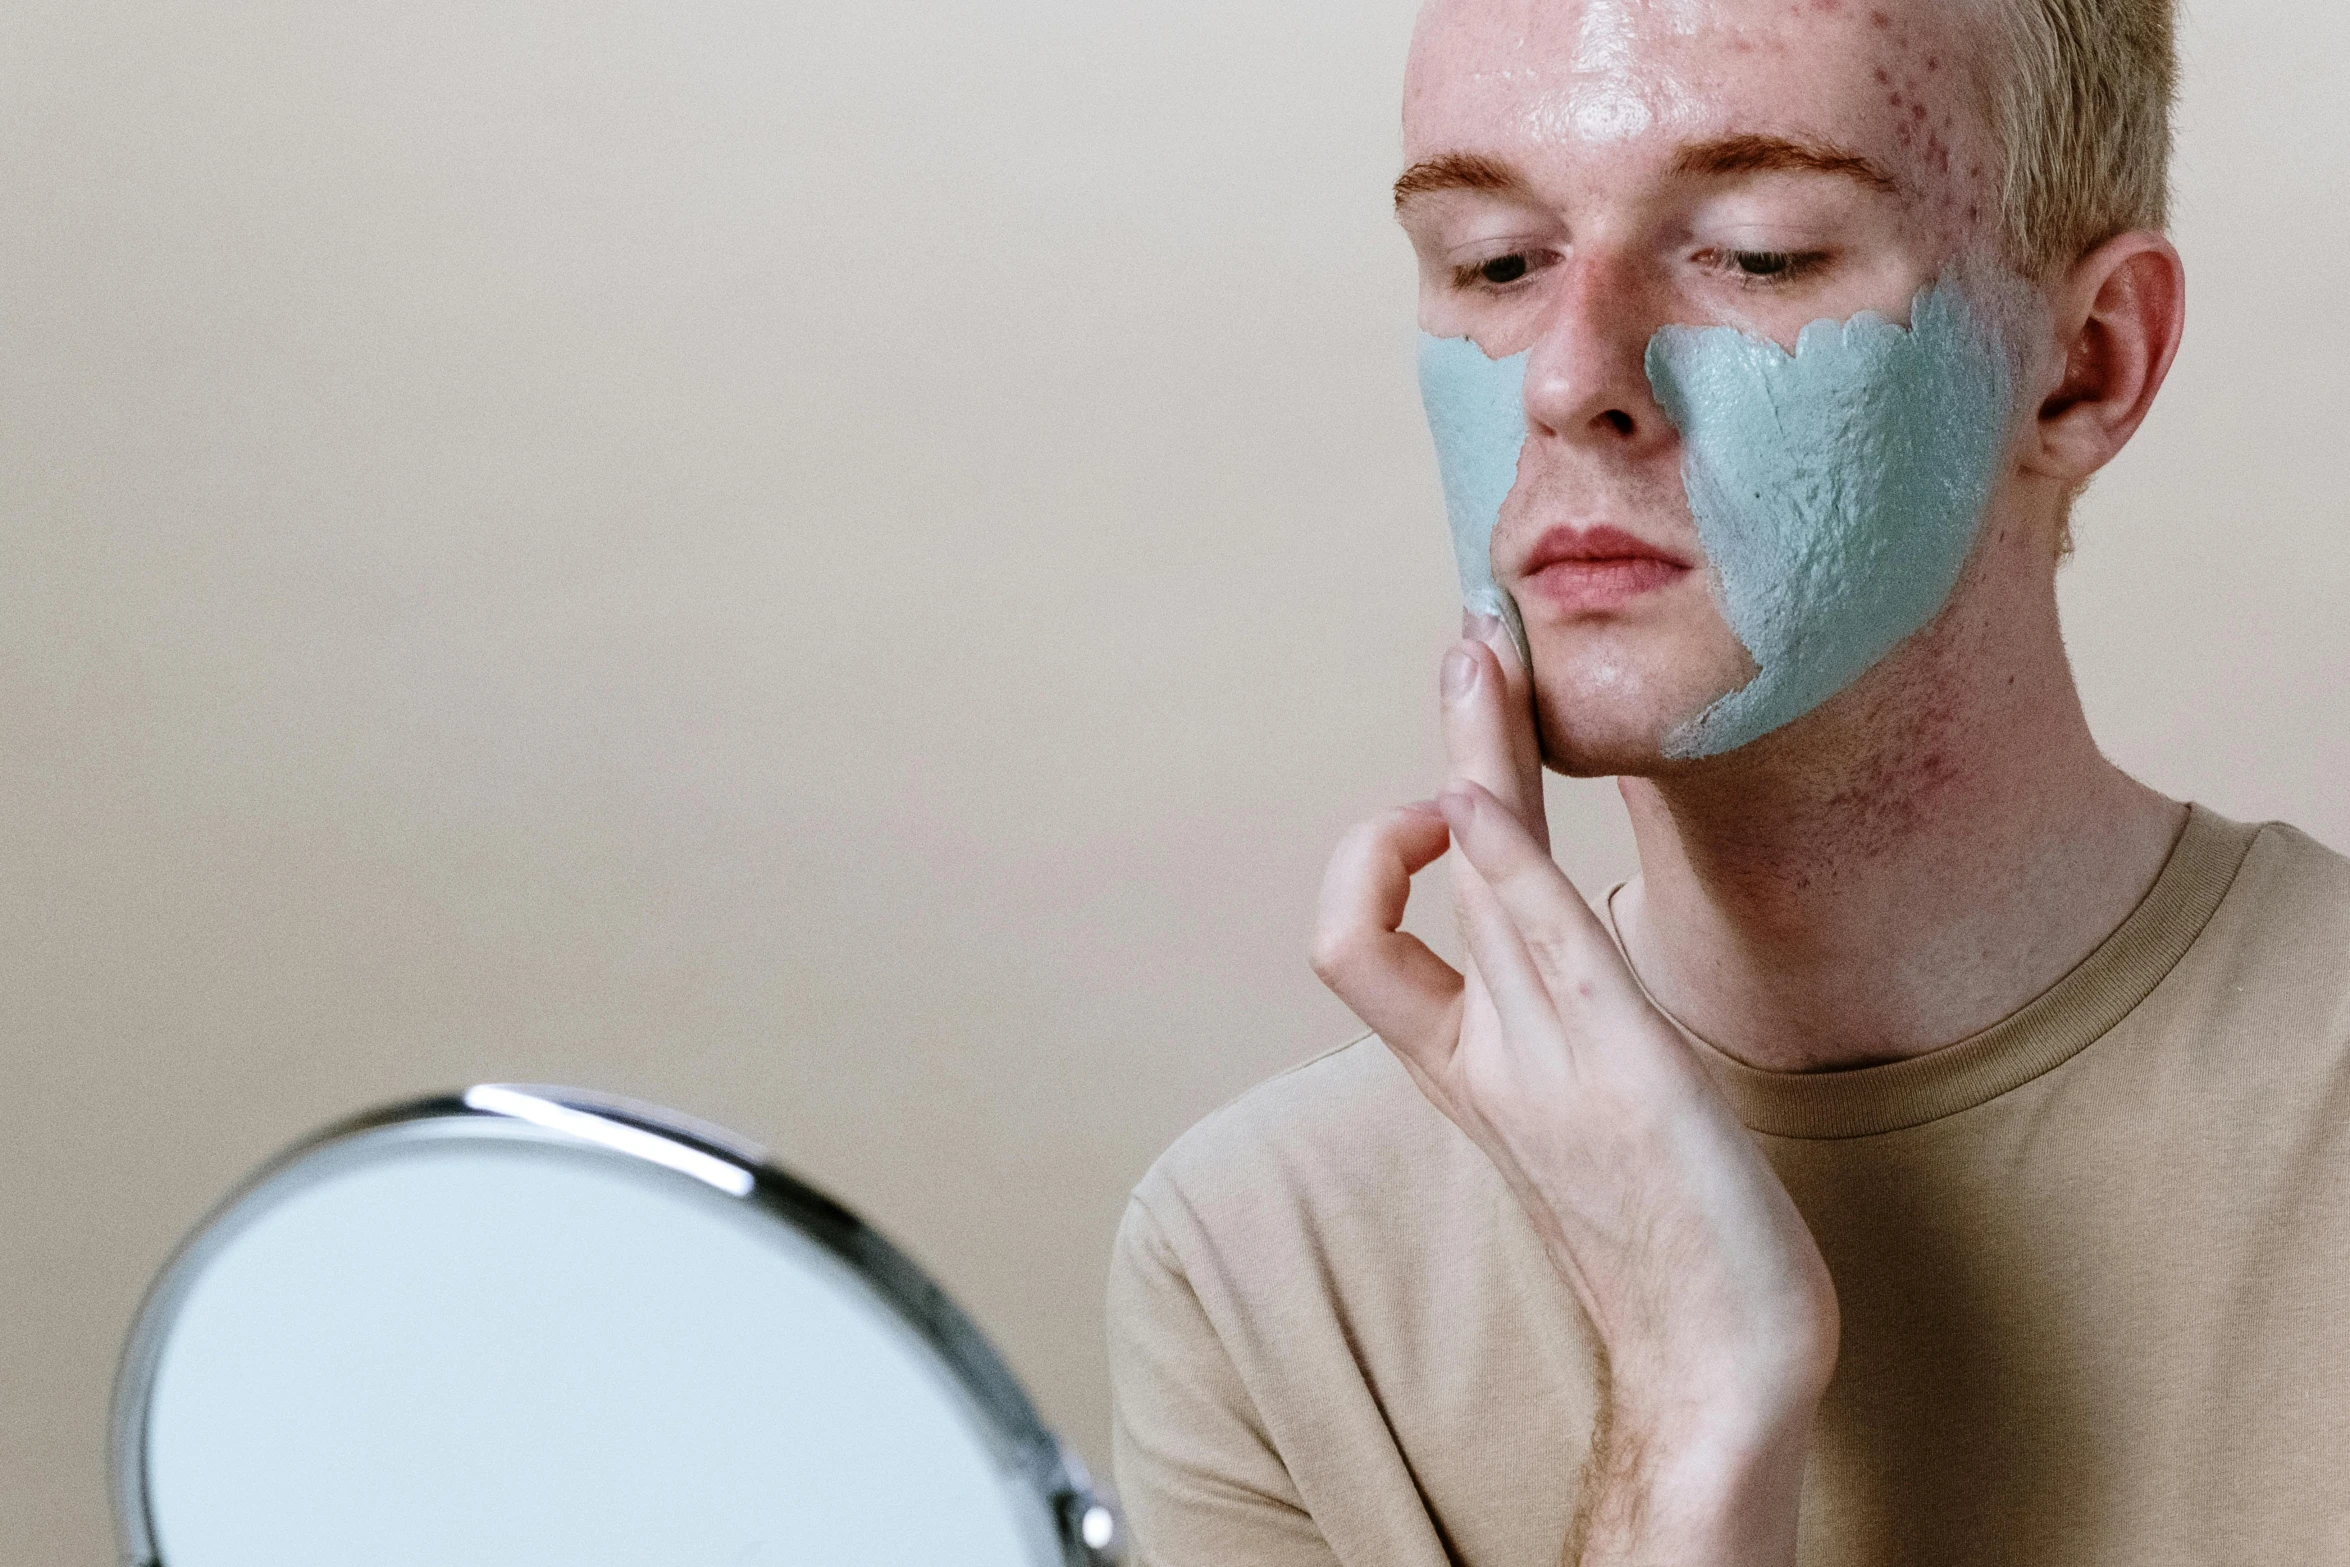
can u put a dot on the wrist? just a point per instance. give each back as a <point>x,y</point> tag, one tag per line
<point>1719,1486</point>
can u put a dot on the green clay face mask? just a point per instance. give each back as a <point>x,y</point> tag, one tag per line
<point>1477,413</point>
<point>1837,490</point>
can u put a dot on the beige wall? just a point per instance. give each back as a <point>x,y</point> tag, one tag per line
<point>839,572</point>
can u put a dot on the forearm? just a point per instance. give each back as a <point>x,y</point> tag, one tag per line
<point>1700,1488</point>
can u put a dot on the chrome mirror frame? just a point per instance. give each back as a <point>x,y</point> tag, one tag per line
<point>1083,1521</point>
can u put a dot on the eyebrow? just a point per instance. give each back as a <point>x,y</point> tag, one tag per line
<point>1769,154</point>
<point>1748,154</point>
<point>1455,171</point>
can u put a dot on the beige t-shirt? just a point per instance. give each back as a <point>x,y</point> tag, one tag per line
<point>2094,1266</point>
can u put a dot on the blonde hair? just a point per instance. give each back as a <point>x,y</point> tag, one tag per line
<point>2081,100</point>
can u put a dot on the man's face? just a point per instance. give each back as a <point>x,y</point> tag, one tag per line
<point>1581,174</point>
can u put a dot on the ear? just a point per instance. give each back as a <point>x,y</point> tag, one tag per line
<point>2118,316</point>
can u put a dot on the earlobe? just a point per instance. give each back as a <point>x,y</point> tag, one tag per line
<point>2119,315</point>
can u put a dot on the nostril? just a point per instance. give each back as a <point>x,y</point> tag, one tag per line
<point>1617,420</point>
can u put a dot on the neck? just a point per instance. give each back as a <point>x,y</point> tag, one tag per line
<point>1903,867</point>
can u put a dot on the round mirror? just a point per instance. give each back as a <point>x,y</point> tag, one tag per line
<point>536,1327</point>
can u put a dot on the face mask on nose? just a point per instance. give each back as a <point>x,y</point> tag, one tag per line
<point>1837,490</point>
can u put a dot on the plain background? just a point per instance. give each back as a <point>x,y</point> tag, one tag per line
<point>838,567</point>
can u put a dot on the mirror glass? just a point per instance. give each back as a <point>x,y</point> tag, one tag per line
<point>468,1340</point>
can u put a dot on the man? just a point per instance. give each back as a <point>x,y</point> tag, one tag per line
<point>1938,1152</point>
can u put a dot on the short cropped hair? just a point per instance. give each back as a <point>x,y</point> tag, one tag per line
<point>2081,96</point>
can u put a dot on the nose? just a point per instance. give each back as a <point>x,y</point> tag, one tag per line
<point>1586,378</point>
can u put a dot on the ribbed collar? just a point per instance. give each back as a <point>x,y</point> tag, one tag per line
<point>2102,989</point>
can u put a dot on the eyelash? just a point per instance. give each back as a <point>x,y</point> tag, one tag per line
<point>1470,276</point>
<point>1747,268</point>
<point>1774,269</point>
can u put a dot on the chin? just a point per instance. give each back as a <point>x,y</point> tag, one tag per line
<point>1583,753</point>
<point>1585,738</point>
<point>1607,716</point>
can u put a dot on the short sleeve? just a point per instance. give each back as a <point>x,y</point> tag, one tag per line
<point>1200,1481</point>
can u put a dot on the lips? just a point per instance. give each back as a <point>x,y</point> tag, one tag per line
<point>1580,570</point>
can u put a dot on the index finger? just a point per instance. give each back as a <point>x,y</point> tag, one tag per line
<point>1391,980</point>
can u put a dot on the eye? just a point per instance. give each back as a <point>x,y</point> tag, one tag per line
<point>1498,272</point>
<point>1768,266</point>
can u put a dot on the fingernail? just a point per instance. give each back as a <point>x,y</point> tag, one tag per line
<point>1459,676</point>
<point>1479,628</point>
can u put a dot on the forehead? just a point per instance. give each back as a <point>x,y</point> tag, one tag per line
<point>1897,78</point>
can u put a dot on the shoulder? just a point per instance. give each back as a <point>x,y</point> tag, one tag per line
<point>1345,1131</point>
<point>2273,960</point>
<point>2288,904</point>
<point>1321,1292</point>
<point>1297,1298</point>
<point>2287,861</point>
<point>1329,1217</point>
<point>1336,1176</point>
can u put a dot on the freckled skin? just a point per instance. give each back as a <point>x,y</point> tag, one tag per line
<point>1590,102</point>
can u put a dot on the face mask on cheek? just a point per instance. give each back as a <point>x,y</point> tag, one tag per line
<point>1837,490</point>
<point>1477,413</point>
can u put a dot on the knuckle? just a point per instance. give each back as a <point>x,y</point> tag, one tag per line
<point>1549,953</point>
<point>1563,965</point>
<point>1333,956</point>
<point>1364,841</point>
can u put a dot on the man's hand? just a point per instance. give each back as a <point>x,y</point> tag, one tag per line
<point>1715,1313</point>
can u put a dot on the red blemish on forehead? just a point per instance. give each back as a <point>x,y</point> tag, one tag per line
<point>1883,75</point>
<point>1933,64</point>
<point>1917,111</point>
<point>1880,18</point>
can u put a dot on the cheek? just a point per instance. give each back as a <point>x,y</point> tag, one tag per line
<point>1838,490</point>
<point>1476,409</point>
